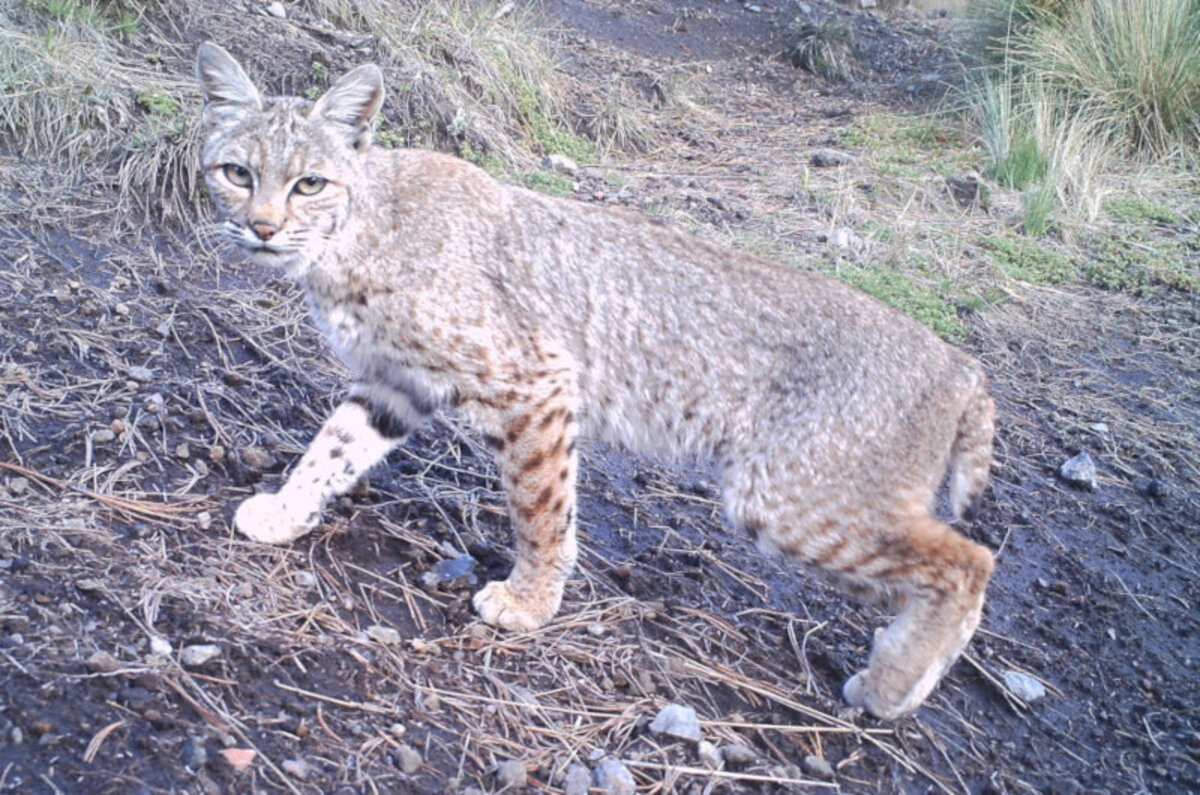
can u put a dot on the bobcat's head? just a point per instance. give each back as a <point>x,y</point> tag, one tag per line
<point>284,172</point>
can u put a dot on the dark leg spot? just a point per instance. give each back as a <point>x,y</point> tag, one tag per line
<point>494,442</point>
<point>336,452</point>
<point>382,420</point>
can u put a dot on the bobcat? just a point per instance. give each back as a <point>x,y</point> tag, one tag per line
<point>832,418</point>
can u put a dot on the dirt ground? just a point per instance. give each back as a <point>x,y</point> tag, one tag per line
<point>147,386</point>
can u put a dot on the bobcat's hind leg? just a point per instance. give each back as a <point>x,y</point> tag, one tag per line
<point>356,436</point>
<point>933,575</point>
<point>535,451</point>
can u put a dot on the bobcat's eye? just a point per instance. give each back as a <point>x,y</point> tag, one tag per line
<point>309,186</point>
<point>238,175</point>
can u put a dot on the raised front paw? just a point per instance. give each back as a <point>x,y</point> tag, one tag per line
<point>501,606</point>
<point>270,519</point>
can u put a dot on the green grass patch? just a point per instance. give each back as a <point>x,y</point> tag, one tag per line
<point>1134,209</point>
<point>925,303</point>
<point>911,146</point>
<point>1028,261</point>
<point>1130,265</point>
<point>548,183</point>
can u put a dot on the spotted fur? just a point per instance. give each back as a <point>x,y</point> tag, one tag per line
<point>832,418</point>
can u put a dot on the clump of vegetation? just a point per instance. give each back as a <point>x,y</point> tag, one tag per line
<point>1079,86</point>
<point>826,49</point>
<point>925,303</point>
<point>1030,262</point>
<point>1126,264</point>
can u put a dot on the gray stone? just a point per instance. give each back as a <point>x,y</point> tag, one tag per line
<point>277,10</point>
<point>160,646</point>
<point>829,158</point>
<point>511,774</point>
<point>141,374</point>
<point>455,574</point>
<point>817,766</point>
<point>678,721</point>
<point>257,458</point>
<point>17,486</point>
<point>103,436</point>
<point>199,654</point>
<point>304,579</point>
<point>708,754</point>
<point>613,778</point>
<point>103,663</point>
<point>577,781</point>
<point>195,756</point>
<point>408,758</point>
<point>385,635</point>
<point>738,755</point>
<point>1024,686</point>
<point>1079,471</point>
<point>562,164</point>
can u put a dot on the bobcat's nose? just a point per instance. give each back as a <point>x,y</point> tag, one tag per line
<point>265,230</point>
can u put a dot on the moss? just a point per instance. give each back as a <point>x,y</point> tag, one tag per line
<point>548,183</point>
<point>920,301</point>
<point>1131,266</point>
<point>1030,262</point>
<point>911,146</point>
<point>159,103</point>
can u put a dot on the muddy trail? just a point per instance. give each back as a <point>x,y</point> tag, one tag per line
<point>147,387</point>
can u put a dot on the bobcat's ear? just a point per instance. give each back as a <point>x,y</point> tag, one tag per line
<point>352,103</point>
<point>227,89</point>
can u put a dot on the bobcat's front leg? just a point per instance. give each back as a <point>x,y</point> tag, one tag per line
<point>535,451</point>
<point>358,434</point>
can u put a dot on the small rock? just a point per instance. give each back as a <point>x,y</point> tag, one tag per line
<point>216,453</point>
<point>452,575</point>
<point>160,646</point>
<point>103,663</point>
<point>597,630</point>
<point>201,468</point>
<point>257,458</point>
<point>511,774</point>
<point>16,735</point>
<point>182,451</point>
<point>195,756</point>
<point>562,164</point>
<point>1155,489</point>
<point>708,754</point>
<point>845,238</point>
<point>103,436</point>
<point>577,781</point>
<point>613,778</point>
<point>1099,427</point>
<point>239,759</point>
<point>163,329</point>
<point>408,758</point>
<point>817,766</point>
<point>398,729</point>
<point>738,755</point>
<point>118,426</point>
<point>141,374</point>
<point>305,579</point>
<point>194,656</point>
<point>385,635</point>
<point>829,158</point>
<point>89,585</point>
<point>204,520</point>
<point>122,310</point>
<point>155,403</point>
<point>676,720</point>
<point>277,10</point>
<point>1080,471</point>
<point>421,646</point>
<point>18,486</point>
<point>297,768</point>
<point>1024,686</point>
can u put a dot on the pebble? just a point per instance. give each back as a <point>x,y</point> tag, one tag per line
<point>455,574</point>
<point>103,436</point>
<point>89,585</point>
<point>195,756</point>
<point>397,729</point>
<point>738,755</point>
<point>408,758</point>
<point>238,758</point>
<point>257,458</point>
<point>102,662</point>
<point>193,656</point>
<point>385,635</point>
<point>141,374</point>
<point>577,781</point>
<point>562,164</point>
<point>613,778</point>
<point>160,646</point>
<point>216,453</point>
<point>511,774</point>
<point>305,579</point>
<point>17,486</point>
<point>676,720</point>
<point>817,766</point>
<point>204,520</point>
<point>708,754</point>
<point>829,158</point>
<point>297,768</point>
<point>277,10</point>
<point>1080,471</point>
<point>182,451</point>
<point>1024,686</point>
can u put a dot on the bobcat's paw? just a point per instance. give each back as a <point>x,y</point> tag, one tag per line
<point>269,519</point>
<point>887,703</point>
<point>499,606</point>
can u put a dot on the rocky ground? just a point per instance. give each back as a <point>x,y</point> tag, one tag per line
<point>147,385</point>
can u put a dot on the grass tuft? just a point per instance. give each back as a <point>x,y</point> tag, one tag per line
<point>826,49</point>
